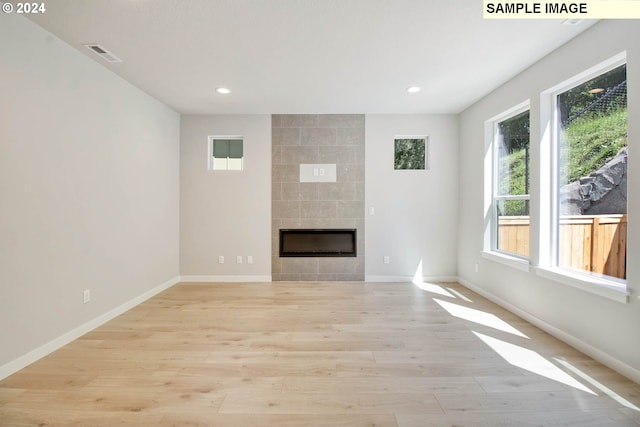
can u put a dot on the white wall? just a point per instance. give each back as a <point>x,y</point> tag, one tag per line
<point>225,213</point>
<point>415,211</point>
<point>89,190</point>
<point>608,330</point>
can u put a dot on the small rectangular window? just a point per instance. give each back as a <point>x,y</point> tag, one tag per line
<point>226,153</point>
<point>410,152</point>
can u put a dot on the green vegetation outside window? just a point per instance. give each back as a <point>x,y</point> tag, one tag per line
<point>410,153</point>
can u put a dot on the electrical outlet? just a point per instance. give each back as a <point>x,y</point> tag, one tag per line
<point>86,296</point>
<point>477,267</point>
<point>239,259</point>
<point>385,259</point>
<point>220,259</point>
<point>249,259</point>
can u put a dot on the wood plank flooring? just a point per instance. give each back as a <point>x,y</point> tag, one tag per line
<point>317,354</point>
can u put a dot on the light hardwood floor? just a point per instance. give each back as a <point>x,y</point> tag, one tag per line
<point>317,354</point>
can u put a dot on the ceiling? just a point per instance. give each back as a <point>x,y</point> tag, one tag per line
<point>307,56</point>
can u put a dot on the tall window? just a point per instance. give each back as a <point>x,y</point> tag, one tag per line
<point>591,150</point>
<point>511,184</point>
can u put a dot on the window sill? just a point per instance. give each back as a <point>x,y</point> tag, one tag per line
<point>521,264</point>
<point>601,286</point>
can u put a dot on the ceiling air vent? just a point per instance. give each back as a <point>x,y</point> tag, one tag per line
<point>103,53</point>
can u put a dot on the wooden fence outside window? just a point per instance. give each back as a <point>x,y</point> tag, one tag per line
<point>595,243</point>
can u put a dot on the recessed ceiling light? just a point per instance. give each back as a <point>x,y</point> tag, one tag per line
<point>223,90</point>
<point>413,89</point>
<point>572,22</point>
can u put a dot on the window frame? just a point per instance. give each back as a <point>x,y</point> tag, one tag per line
<point>549,230</point>
<point>211,150</point>
<point>425,139</point>
<point>492,196</point>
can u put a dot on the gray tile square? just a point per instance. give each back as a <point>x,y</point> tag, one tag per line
<point>299,265</point>
<point>358,277</point>
<point>336,223</point>
<point>337,154</point>
<point>337,191</point>
<point>285,173</point>
<point>299,121</point>
<point>276,191</point>
<point>309,223</point>
<point>350,172</point>
<point>318,277</point>
<point>350,210</point>
<point>285,136</point>
<point>286,209</point>
<point>359,154</point>
<point>288,277</point>
<point>276,265</point>
<point>276,155</point>
<point>342,120</point>
<point>294,155</point>
<point>350,136</point>
<point>320,209</point>
<point>317,136</point>
<point>300,191</point>
<point>337,265</point>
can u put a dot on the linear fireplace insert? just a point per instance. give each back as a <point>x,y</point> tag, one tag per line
<point>318,242</point>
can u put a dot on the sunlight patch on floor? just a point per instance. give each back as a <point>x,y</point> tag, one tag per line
<point>606,390</point>
<point>481,317</point>
<point>429,287</point>
<point>459,295</point>
<point>531,361</point>
<point>436,289</point>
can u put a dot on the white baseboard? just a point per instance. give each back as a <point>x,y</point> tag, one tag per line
<point>53,345</point>
<point>222,279</point>
<point>597,354</point>
<point>386,279</point>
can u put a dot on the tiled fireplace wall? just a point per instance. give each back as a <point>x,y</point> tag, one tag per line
<point>317,139</point>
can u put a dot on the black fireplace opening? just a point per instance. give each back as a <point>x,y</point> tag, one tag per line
<point>318,242</point>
